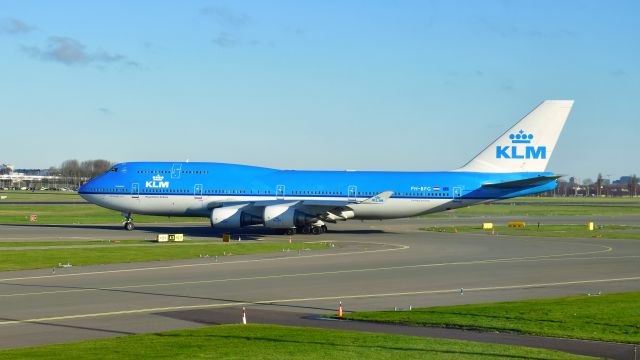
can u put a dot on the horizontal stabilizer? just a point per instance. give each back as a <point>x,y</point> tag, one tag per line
<point>523,183</point>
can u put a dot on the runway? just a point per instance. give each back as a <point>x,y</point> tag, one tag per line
<point>374,266</point>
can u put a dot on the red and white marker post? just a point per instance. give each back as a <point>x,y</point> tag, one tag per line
<point>244,316</point>
<point>340,309</point>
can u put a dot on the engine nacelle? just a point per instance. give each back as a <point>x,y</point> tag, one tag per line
<point>341,216</point>
<point>284,217</point>
<point>230,217</point>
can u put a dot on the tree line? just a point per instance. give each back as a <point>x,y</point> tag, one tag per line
<point>79,172</point>
<point>626,186</point>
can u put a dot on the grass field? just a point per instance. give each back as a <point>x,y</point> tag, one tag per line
<point>80,213</point>
<point>614,317</point>
<point>277,342</point>
<point>49,258</point>
<point>18,244</point>
<point>75,214</point>
<point>84,213</point>
<point>601,231</point>
<point>559,207</point>
<point>40,196</point>
<point>579,200</point>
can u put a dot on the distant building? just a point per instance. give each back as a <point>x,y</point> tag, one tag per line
<point>29,178</point>
<point>34,172</point>
<point>573,181</point>
<point>624,180</point>
<point>6,169</point>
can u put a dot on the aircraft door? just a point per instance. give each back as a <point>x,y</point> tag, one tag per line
<point>352,192</point>
<point>457,193</point>
<point>135,190</point>
<point>197,191</point>
<point>280,192</point>
<point>176,169</point>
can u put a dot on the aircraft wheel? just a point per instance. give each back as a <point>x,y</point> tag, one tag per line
<point>315,230</point>
<point>306,229</point>
<point>323,229</point>
<point>129,226</point>
<point>291,231</point>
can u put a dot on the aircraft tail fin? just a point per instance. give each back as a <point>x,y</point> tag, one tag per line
<point>528,145</point>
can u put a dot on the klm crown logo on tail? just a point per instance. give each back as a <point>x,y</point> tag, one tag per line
<point>530,142</point>
<point>519,150</point>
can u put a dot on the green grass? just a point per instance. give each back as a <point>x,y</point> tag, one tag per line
<point>538,206</point>
<point>601,231</point>
<point>75,214</point>
<point>525,209</point>
<point>277,342</point>
<point>40,196</point>
<point>590,200</point>
<point>47,258</point>
<point>18,244</point>
<point>614,317</point>
<point>83,213</point>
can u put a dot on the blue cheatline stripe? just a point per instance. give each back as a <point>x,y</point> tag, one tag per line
<point>287,197</point>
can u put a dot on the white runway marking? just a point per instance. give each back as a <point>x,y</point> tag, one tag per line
<point>402,267</point>
<point>396,248</point>
<point>281,301</point>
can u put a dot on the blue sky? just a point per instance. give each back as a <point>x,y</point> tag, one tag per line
<point>384,85</point>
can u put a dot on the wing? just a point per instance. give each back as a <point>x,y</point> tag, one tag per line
<point>326,210</point>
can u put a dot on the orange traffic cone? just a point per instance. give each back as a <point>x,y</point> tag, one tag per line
<point>340,310</point>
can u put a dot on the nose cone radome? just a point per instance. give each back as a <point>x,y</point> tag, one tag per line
<point>83,191</point>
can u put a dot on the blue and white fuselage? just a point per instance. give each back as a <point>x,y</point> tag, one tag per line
<point>234,196</point>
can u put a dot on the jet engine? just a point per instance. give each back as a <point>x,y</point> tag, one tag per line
<point>284,217</point>
<point>230,217</point>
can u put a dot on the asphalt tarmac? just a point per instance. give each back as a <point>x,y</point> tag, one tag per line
<point>373,266</point>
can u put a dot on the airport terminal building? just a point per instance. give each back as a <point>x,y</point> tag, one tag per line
<point>25,179</point>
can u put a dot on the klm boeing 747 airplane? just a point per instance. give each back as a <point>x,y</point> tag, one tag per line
<point>290,201</point>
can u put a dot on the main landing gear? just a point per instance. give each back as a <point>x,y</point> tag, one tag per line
<point>128,222</point>
<point>307,229</point>
<point>311,229</point>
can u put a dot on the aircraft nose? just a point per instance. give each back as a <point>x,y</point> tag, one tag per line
<point>83,191</point>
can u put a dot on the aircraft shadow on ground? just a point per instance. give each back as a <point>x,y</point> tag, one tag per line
<point>250,233</point>
<point>116,332</point>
